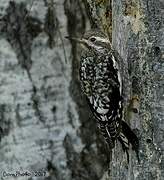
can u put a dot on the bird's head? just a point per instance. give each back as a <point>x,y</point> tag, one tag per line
<point>93,39</point>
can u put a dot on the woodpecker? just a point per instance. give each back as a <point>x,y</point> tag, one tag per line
<point>101,83</point>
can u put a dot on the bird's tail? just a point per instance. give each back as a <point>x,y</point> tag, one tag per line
<point>126,137</point>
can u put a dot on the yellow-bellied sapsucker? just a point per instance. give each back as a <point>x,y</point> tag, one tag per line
<point>101,82</point>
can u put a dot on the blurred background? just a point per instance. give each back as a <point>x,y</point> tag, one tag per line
<point>46,123</point>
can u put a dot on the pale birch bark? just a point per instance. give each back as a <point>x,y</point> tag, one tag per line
<point>45,123</point>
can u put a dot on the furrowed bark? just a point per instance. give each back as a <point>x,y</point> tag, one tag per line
<point>46,125</point>
<point>138,36</point>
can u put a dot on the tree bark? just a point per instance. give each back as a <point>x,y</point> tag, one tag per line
<point>138,37</point>
<point>46,125</point>
<point>137,34</point>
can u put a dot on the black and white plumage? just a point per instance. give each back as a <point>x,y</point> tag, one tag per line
<point>101,83</point>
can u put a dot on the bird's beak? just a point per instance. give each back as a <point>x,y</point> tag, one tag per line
<point>78,40</point>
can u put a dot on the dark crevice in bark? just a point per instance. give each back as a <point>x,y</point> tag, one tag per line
<point>74,23</point>
<point>70,117</point>
<point>53,172</point>
<point>74,162</point>
<point>82,164</point>
<point>5,123</point>
<point>18,116</point>
<point>36,102</point>
<point>51,25</point>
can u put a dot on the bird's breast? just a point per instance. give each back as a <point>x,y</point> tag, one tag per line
<point>95,78</point>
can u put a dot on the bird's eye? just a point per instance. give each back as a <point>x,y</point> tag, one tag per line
<point>92,39</point>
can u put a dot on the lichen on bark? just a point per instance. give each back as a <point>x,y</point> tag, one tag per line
<point>137,36</point>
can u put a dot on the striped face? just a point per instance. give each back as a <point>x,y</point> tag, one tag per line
<point>96,41</point>
<point>97,44</point>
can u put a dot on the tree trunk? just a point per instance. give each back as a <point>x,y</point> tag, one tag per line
<point>137,34</point>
